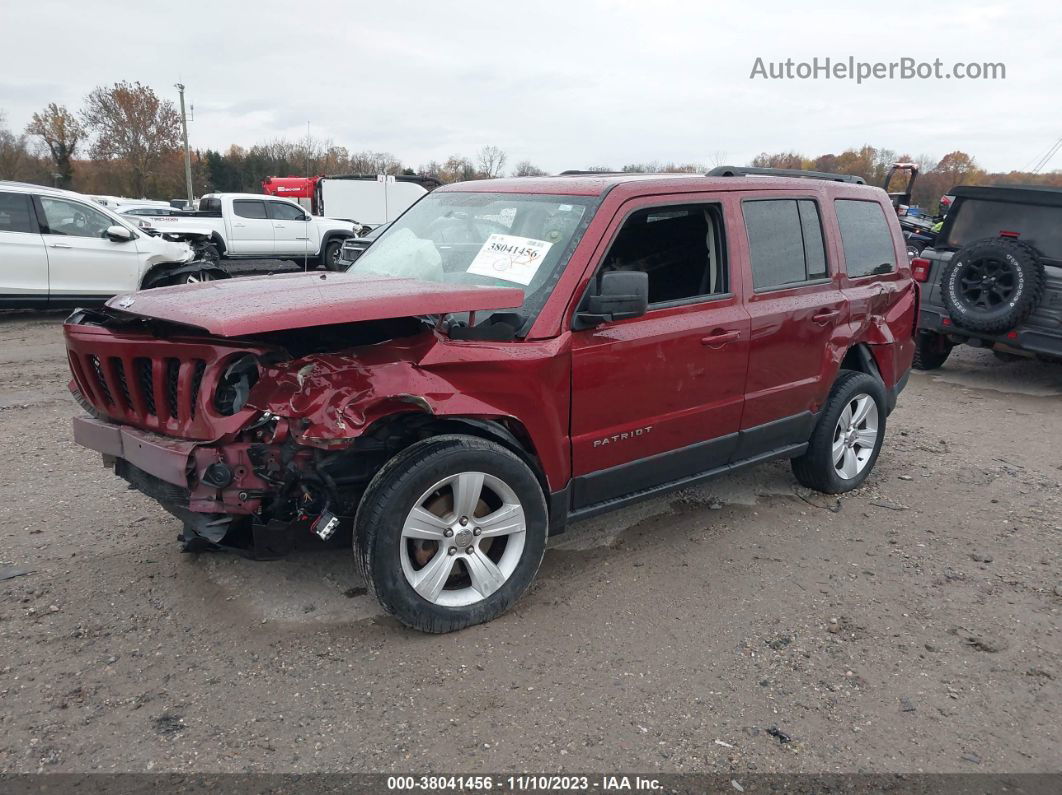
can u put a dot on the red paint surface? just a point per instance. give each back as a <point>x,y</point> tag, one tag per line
<point>259,304</point>
<point>290,187</point>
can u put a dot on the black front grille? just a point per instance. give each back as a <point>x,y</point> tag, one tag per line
<point>147,383</point>
<point>197,381</point>
<point>173,370</point>
<point>148,484</point>
<point>101,382</point>
<point>123,384</point>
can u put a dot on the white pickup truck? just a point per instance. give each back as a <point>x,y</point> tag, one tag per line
<point>249,225</point>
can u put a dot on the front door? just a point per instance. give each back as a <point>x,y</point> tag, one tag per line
<point>23,256</point>
<point>659,397</point>
<point>251,228</point>
<point>82,261</point>
<point>290,229</point>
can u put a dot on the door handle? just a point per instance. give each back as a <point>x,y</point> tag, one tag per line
<point>719,338</point>
<point>60,245</point>
<point>822,318</point>
<point>240,225</point>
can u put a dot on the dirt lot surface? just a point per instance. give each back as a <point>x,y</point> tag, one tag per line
<point>912,625</point>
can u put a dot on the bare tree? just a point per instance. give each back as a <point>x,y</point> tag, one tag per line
<point>525,168</point>
<point>375,163</point>
<point>132,124</point>
<point>491,161</point>
<point>458,169</point>
<point>62,133</point>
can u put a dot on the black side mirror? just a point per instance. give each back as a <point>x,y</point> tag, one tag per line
<point>619,295</point>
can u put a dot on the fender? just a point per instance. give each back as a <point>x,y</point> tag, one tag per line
<point>335,234</point>
<point>219,243</point>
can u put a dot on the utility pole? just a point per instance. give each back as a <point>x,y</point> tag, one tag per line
<point>187,153</point>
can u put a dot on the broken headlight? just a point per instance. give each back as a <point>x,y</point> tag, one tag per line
<point>235,385</point>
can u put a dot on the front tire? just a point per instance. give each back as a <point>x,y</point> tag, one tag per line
<point>330,255</point>
<point>847,438</point>
<point>450,532</point>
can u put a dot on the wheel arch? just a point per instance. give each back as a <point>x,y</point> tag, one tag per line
<point>167,269</point>
<point>407,428</point>
<point>335,235</point>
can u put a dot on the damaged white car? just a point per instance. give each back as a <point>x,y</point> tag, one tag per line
<point>61,249</point>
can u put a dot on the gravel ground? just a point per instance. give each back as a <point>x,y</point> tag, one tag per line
<point>912,625</point>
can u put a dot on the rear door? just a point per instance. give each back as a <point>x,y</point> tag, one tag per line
<point>251,228</point>
<point>796,308</point>
<point>659,397</point>
<point>291,229</point>
<point>23,256</point>
<point>877,287</point>
<point>82,262</point>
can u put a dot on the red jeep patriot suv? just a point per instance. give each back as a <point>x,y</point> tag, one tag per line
<point>507,356</point>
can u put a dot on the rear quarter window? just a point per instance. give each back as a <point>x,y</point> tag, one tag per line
<point>249,208</point>
<point>866,237</point>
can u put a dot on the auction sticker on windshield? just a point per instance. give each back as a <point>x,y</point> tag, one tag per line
<point>514,259</point>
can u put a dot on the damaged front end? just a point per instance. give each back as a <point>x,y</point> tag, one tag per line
<point>250,443</point>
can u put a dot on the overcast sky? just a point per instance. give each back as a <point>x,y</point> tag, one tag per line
<point>563,84</point>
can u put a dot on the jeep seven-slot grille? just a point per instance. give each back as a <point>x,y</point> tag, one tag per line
<point>163,386</point>
<point>160,392</point>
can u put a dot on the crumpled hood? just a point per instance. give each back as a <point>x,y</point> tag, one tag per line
<point>260,304</point>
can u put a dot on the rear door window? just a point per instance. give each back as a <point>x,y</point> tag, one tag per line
<point>785,242</point>
<point>249,208</point>
<point>16,213</point>
<point>866,237</point>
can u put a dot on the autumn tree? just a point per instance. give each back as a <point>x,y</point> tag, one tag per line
<point>779,160</point>
<point>61,133</point>
<point>133,126</point>
<point>491,161</point>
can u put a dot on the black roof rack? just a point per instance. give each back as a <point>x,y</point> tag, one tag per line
<point>575,172</point>
<point>743,171</point>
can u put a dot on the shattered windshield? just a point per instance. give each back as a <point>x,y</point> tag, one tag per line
<point>495,239</point>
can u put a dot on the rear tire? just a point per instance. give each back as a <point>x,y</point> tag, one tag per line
<point>847,438</point>
<point>931,350</point>
<point>426,566</point>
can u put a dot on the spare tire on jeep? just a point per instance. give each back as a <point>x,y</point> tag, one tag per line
<point>992,285</point>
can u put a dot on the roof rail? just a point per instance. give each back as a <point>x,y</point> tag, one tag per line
<point>742,171</point>
<point>575,172</point>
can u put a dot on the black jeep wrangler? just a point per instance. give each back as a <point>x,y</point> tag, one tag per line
<point>993,279</point>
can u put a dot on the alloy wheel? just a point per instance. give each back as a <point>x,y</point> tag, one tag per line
<point>986,283</point>
<point>463,539</point>
<point>855,436</point>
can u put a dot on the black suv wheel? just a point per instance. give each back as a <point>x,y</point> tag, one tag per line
<point>992,285</point>
<point>931,350</point>
<point>450,532</point>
